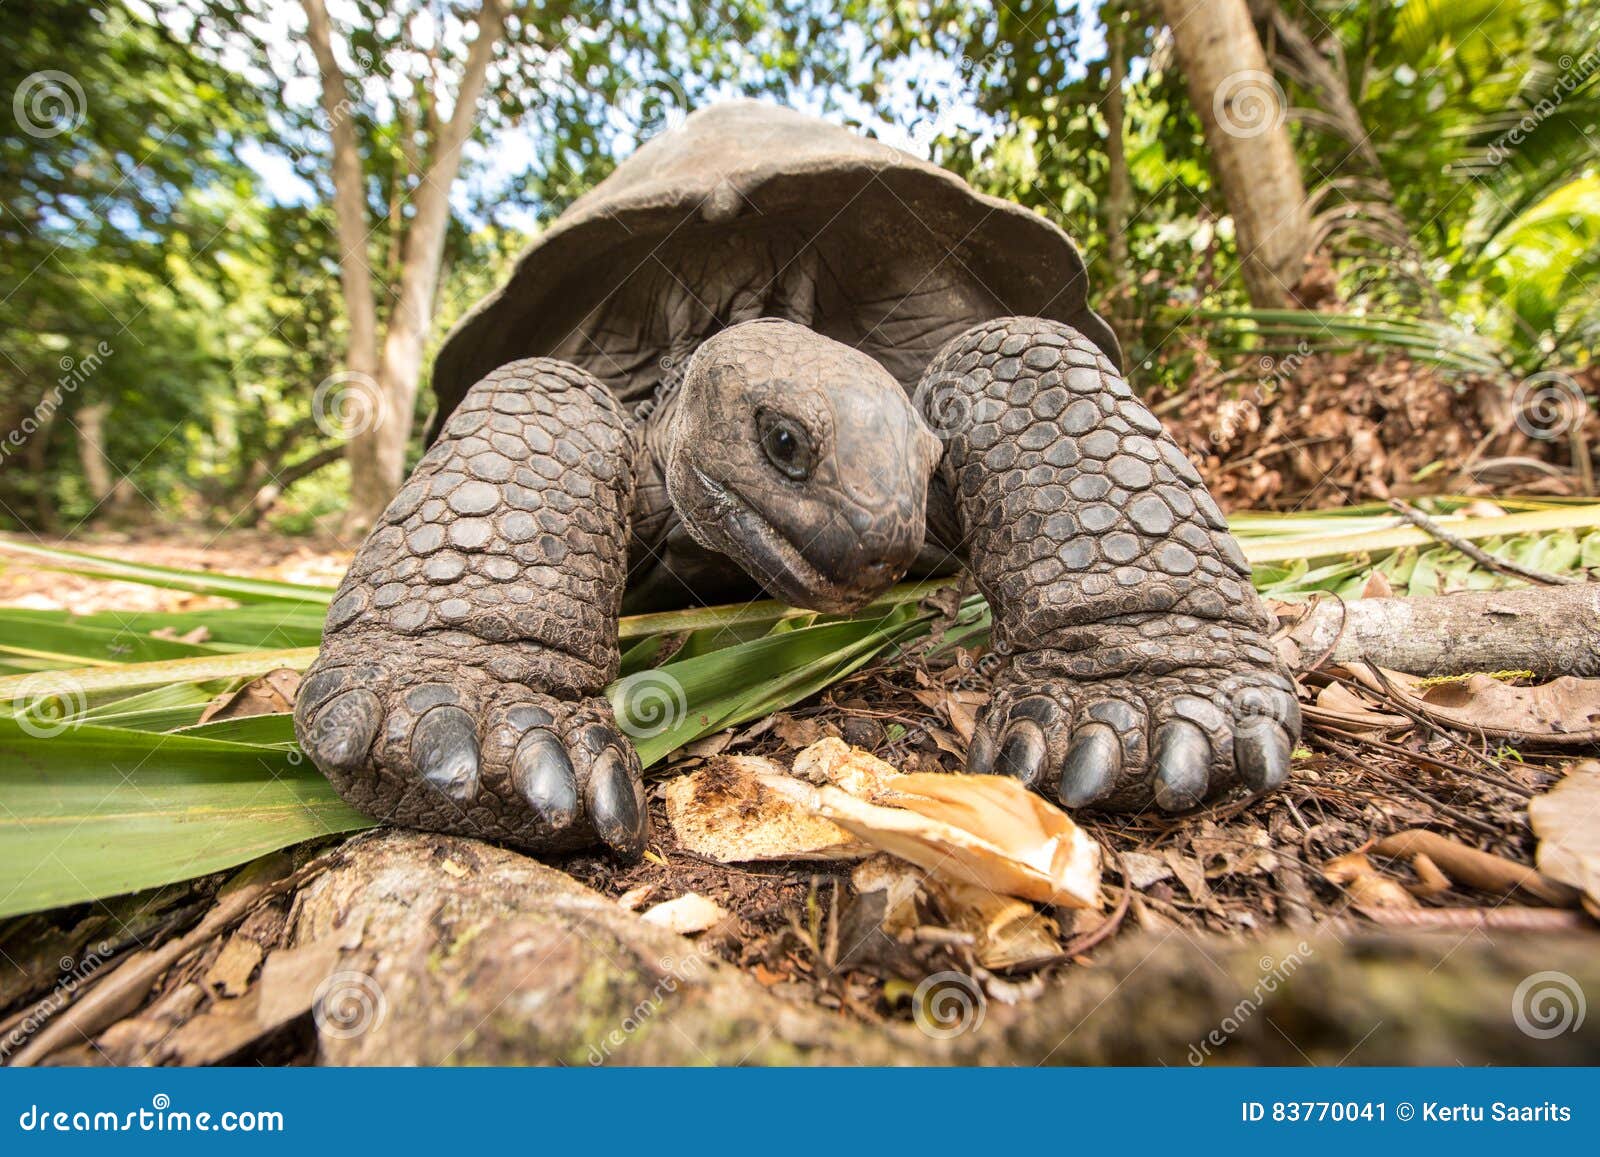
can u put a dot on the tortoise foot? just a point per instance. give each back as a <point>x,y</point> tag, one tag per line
<point>1136,739</point>
<point>412,732</point>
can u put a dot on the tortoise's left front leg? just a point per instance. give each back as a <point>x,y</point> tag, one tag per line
<point>1136,663</point>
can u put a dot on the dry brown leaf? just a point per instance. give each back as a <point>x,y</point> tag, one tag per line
<point>710,745</point>
<point>986,830</point>
<point>724,813</point>
<point>1239,850</point>
<point>797,733</point>
<point>1140,869</point>
<point>271,694</point>
<point>1190,874</point>
<point>1561,712</point>
<point>1369,889</point>
<point>1476,869</point>
<point>947,742</point>
<point>688,914</point>
<point>963,708</point>
<point>1567,821</point>
<point>199,634</point>
<point>1341,709</point>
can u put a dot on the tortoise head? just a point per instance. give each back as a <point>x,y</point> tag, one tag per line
<point>802,460</point>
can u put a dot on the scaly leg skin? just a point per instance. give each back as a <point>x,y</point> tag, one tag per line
<point>459,686</point>
<point>1136,661</point>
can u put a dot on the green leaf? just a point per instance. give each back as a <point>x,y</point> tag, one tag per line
<point>245,590</point>
<point>97,811</point>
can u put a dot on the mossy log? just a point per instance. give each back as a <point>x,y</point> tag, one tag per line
<point>412,948</point>
<point>500,959</point>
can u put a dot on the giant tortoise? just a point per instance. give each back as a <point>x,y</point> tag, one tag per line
<point>767,352</point>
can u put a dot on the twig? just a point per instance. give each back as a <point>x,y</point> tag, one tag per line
<point>1477,554</point>
<point>1496,771</point>
<point>1371,768</point>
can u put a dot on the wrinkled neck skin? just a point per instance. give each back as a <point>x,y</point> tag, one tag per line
<point>795,458</point>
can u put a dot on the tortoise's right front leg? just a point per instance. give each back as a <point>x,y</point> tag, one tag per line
<point>459,686</point>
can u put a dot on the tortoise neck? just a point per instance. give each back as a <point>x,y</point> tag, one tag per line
<point>653,516</point>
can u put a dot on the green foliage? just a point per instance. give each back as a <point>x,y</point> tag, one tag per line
<point>168,263</point>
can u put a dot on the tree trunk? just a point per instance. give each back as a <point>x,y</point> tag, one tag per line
<point>1119,193</point>
<point>355,267</point>
<point>383,448</point>
<point>1242,110</point>
<point>111,492</point>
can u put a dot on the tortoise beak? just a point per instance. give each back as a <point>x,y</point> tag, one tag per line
<point>737,527</point>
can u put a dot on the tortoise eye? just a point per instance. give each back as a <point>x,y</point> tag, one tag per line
<point>786,446</point>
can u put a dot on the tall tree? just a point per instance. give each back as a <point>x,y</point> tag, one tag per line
<point>377,448</point>
<point>1246,128</point>
<point>1119,190</point>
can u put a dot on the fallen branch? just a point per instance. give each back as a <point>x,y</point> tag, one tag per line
<point>1550,631</point>
<point>120,990</point>
<point>465,953</point>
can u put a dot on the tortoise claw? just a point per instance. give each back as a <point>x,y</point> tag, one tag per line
<point>614,805</point>
<point>1262,753</point>
<point>1182,759</point>
<point>544,777</point>
<point>444,750</point>
<point>1092,766</point>
<point>1023,752</point>
<point>344,730</point>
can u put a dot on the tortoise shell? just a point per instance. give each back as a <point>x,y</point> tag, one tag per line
<point>750,210</point>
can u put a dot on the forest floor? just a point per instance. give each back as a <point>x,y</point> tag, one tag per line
<point>1334,851</point>
<point>1301,859</point>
